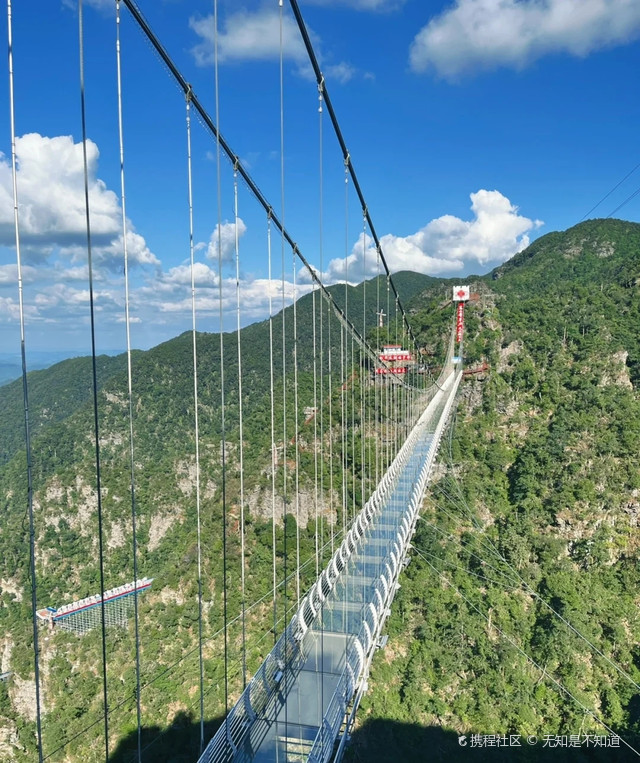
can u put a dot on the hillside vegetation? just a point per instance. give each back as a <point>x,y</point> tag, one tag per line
<point>531,518</point>
<point>66,515</point>
<point>531,523</point>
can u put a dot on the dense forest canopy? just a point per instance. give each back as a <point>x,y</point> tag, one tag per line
<point>525,576</point>
<point>530,523</point>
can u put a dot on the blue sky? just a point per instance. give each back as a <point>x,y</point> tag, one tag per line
<point>474,126</point>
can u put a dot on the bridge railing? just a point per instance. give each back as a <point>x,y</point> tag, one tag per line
<point>249,720</point>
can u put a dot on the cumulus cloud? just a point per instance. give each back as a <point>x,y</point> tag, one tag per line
<point>9,274</point>
<point>255,36</point>
<point>166,298</point>
<point>224,236</point>
<point>52,203</point>
<point>446,244</point>
<point>362,5</point>
<point>482,34</point>
<point>342,72</point>
<point>107,6</point>
<point>10,311</point>
<point>248,36</point>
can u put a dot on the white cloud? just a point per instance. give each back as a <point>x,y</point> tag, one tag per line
<point>246,36</point>
<point>166,299</point>
<point>52,204</point>
<point>9,274</point>
<point>255,36</point>
<point>10,311</point>
<point>99,5</point>
<point>224,236</point>
<point>482,34</point>
<point>362,5</point>
<point>446,244</point>
<point>341,72</point>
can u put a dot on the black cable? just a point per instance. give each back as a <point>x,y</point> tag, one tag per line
<point>606,196</point>
<point>625,202</point>
<point>236,161</point>
<point>25,399</point>
<point>345,153</point>
<point>94,373</point>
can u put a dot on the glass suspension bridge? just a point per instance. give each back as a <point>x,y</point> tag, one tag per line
<point>274,501</point>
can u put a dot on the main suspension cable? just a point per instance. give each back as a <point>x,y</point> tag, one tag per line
<point>345,152</point>
<point>235,160</point>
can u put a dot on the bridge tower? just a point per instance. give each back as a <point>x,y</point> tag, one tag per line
<point>460,296</point>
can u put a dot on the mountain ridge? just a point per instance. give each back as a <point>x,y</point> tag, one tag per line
<point>542,463</point>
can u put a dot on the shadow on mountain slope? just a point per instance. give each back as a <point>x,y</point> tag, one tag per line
<point>383,741</point>
<point>377,741</point>
<point>179,743</point>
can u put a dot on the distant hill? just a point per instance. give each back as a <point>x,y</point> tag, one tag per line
<point>11,362</point>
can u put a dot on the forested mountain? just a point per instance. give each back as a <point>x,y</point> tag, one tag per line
<point>66,507</point>
<point>534,508</point>
<point>531,524</point>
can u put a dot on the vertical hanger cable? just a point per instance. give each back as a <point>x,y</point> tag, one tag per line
<point>25,385</point>
<point>196,414</point>
<point>223,444</point>
<point>94,372</point>
<point>240,431</point>
<point>127,311</point>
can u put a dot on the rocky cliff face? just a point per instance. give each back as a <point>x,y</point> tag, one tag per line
<point>533,519</point>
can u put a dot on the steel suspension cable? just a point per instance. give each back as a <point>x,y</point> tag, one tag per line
<point>321,404</point>
<point>624,203</point>
<point>127,315</point>
<point>376,387</point>
<point>296,425</point>
<point>274,453</point>
<point>25,389</point>
<point>322,401</point>
<point>343,428</point>
<point>196,420</point>
<point>240,430</point>
<point>353,432</point>
<point>315,434</point>
<point>343,351</point>
<point>606,196</point>
<point>209,123</point>
<point>284,302</point>
<point>223,444</point>
<point>363,475</point>
<point>94,377</point>
<point>387,387</point>
<point>345,152</point>
<point>284,358</point>
<point>332,519</point>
